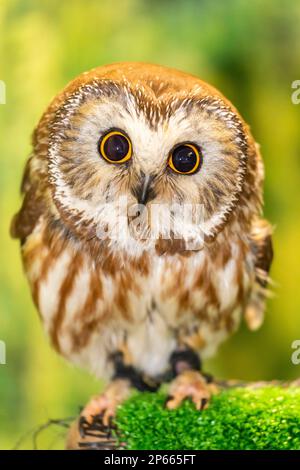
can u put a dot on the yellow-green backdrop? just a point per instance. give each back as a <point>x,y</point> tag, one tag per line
<point>251,52</point>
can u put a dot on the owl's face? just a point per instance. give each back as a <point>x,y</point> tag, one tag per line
<point>116,144</point>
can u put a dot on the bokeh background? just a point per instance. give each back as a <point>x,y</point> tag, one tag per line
<point>251,52</point>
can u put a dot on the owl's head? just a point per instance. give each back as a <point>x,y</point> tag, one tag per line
<point>137,142</point>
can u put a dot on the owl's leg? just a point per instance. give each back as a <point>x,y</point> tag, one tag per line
<point>93,430</point>
<point>184,358</point>
<point>124,379</point>
<point>188,382</point>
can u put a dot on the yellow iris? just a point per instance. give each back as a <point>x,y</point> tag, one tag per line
<point>185,159</point>
<point>115,147</point>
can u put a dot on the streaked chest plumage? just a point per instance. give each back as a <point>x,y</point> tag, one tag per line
<point>146,306</point>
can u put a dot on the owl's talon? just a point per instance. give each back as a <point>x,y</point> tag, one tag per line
<point>204,403</point>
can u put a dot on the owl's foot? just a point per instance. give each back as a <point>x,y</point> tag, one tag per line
<point>93,429</point>
<point>190,384</point>
<point>105,405</point>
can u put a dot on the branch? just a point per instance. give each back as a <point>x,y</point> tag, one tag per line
<point>258,415</point>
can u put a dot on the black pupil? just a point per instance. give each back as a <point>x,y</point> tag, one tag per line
<point>184,159</point>
<point>116,147</point>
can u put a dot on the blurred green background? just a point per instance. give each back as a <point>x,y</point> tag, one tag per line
<point>251,52</point>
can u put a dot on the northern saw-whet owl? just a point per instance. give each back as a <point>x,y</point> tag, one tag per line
<point>140,309</point>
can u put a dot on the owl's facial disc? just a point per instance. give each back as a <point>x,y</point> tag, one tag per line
<point>112,142</point>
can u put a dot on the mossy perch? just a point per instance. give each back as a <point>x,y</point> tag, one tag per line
<point>255,416</point>
<point>249,416</point>
<point>239,418</point>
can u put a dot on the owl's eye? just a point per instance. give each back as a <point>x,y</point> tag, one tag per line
<point>115,147</point>
<point>185,159</point>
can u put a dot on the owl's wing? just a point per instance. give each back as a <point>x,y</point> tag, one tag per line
<point>262,251</point>
<point>33,203</point>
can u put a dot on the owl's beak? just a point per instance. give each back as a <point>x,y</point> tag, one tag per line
<point>144,191</point>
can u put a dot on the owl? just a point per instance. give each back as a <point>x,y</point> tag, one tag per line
<point>141,230</point>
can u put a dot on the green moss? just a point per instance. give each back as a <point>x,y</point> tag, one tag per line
<point>266,418</point>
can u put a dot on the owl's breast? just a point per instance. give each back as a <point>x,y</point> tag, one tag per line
<point>147,306</point>
<point>195,300</point>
